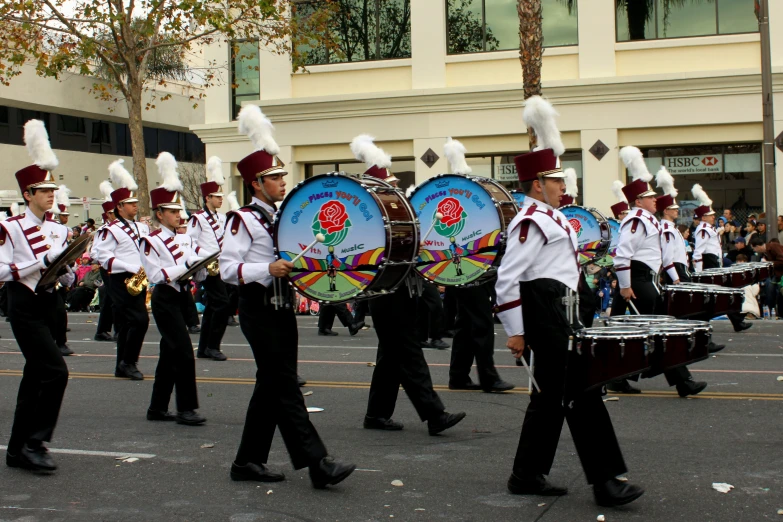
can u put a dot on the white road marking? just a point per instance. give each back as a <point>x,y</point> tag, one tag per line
<point>114,454</point>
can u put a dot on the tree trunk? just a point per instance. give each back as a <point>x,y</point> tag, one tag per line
<point>638,12</point>
<point>136,127</point>
<point>531,50</point>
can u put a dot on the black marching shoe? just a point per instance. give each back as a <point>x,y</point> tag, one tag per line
<point>65,350</point>
<point>499,387</point>
<point>690,387</point>
<point>537,485</point>
<point>103,336</point>
<point>232,321</point>
<point>353,329</point>
<point>215,355</point>
<point>301,382</point>
<point>622,386</point>
<point>194,329</point>
<point>327,332</point>
<point>255,472</point>
<point>379,423</point>
<point>744,325</point>
<point>468,385</point>
<point>444,421</point>
<point>715,348</point>
<point>190,418</point>
<point>328,472</point>
<point>438,344</point>
<point>616,493</point>
<point>159,415</point>
<point>130,371</point>
<point>36,459</point>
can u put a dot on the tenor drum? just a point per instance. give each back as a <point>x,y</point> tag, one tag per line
<point>741,275</point>
<point>371,237</point>
<point>592,230</point>
<point>763,270</point>
<point>726,300</point>
<point>603,355</point>
<point>614,229</point>
<point>675,345</point>
<point>687,299</point>
<point>465,245</point>
<point>638,321</point>
<point>712,276</point>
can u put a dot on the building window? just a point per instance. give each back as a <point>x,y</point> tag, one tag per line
<point>70,124</point>
<point>493,25</point>
<point>245,75</point>
<point>361,30</point>
<point>654,19</point>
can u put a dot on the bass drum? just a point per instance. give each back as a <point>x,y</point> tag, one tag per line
<point>371,237</point>
<point>592,230</point>
<point>518,196</point>
<point>614,230</point>
<point>465,245</point>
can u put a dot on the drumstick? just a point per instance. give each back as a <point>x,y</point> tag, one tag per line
<point>438,216</point>
<point>634,307</point>
<point>529,371</point>
<point>319,238</point>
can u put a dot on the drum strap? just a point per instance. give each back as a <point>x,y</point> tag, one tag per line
<point>266,218</point>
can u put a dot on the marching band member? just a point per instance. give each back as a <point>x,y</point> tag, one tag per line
<point>231,290</point>
<point>207,227</point>
<point>536,292</point>
<point>106,315</point>
<point>638,262</point>
<point>400,359</point>
<point>621,208</point>
<point>474,338</point>
<point>117,250</point>
<point>268,322</point>
<point>707,252</point>
<point>166,256</point>
<point>29,243</point>
<point>674,258</point>
<point>59,212</point>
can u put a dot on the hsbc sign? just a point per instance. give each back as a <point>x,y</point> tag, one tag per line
<point>696,164</point>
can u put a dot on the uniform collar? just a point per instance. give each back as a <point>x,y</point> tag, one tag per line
<point>34,219</point>
<point>540,204</point>
<point>164,231</point>
<point>265,206</point>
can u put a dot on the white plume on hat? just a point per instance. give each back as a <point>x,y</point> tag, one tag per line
<point>364,149</point>
<point>233,204</point>
<point>36,139</point>
<point>14,209</point>
<point>617,188</point>
<point>183,214</point>
<point>455,153</point>
<point>701,196</point>
<point>665,181</point>
<point>541,116</point>
<point>215,171</point>
<point>634,162</point>
<point>120,177</point>
<point>409,191</point>
<point>571,187</point>
<point>3,215</point>
<point>167,168</point>
<point>62,196</point>
<point>258,128</point>
<point>106,189</point>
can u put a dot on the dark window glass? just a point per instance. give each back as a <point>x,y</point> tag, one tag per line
<point>194,149</point>
<point>25,115</point>
<point>168,141</point>
<point>3,115</point>
<point>651,19</point>
<point>493,25</point>
<point>150,142</point>
<point>70,124</point>
<point>361,29</point>
<point>245,79</point>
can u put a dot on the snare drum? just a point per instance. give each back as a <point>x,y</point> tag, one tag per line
<point>467,243</point>
<point>686,299</point>
<point>726,300</point>
<point>703,331</point>
<point>763,270</point>
<point>741,275</point>
<point>603,355</point>
<point>371,237</point>
<point>614,230</point>
<point>592,230</point>
<point>638,321</point>
<point>675,345</point>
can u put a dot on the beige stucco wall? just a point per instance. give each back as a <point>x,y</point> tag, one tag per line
<point>325,80</point>
<point>663,57</point>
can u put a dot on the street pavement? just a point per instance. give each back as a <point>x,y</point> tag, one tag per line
<point>675,448</point>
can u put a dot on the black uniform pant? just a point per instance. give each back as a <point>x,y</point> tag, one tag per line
<point>176,364</point>
<point>400,360</point>
<point>360,310</point>
<point>106,317</point>
<point>79,298</point>
<point>216,313</point>
<point>233,298</point>
<point>712,261</point>
<point>45,373</point>
<point>648,302</point>
<point>191,312</point>
<point>546,333</point>
<point>450,305</point>
<point>277,401</point>
<point>61,318</point>
<point>474,337</point>
<point>328,312</point>
<point>130,317</point>
<point>429,321</point>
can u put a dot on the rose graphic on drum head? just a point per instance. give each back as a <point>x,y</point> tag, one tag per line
<point>577,226</point>
<point>332,221</point>
<point>453,220</point>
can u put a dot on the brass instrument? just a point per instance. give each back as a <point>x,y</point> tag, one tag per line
<point>213,268</point>
<point>137,283</point>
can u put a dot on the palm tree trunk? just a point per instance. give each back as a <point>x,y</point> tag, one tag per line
<point>531,50</point>
<point>136,128</point>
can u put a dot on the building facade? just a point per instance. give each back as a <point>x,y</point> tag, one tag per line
<point>88,134</point>
<point>682,82</point>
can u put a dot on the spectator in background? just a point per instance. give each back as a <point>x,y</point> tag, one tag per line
<point>750,230</point>
<point>89,226</point>
<point>780,228</point>
<point>761,229</point>
<point>686,234</point>
<point>689,238</point>
<point>772,252</point>
<point>79,298</point>
<point>612,291</point>
<point>604,294</point>
<point>728,214</point>
<point>741,258</point>
<point>76,232</point>
<point>741,248</point>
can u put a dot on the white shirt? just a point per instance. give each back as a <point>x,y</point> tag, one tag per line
<point>167,255</point>
<point>207,230</point>
<point>248,248</point>
<point>639,241</point>
<point>24,242</point>
<point>672,249</point>
<point>541,245</point>
<point>117,247</point>
<point>707,241</point>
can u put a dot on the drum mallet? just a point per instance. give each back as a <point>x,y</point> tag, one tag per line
<point>438,217</point>
<point>529,371</point>
<point>319,238</point>
<point>634,307</point>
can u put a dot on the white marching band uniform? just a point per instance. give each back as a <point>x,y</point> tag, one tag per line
<point>168,255</point>
<point>248,249</point>
<point>639,241</point>
<point>207,230</point>
<point>672,249</point>
<point>707,241</point>
<point>117,248</point>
